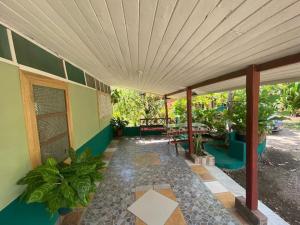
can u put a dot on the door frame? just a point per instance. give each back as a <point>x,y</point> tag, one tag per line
<point>27,80</point>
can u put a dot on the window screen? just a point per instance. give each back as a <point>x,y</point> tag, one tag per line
<point>98,85</point>
<point>52,122</point>
<point>75,74</point>
<point>102,87</point>
<point>90,81</point>
<point>32,55</point>
<point>4,45</point>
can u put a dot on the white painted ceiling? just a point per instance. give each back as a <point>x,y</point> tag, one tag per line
<point>161,46</point>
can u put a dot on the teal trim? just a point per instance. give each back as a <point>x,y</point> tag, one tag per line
<point>99,142</point>
<point>4,45</point>
<point>18,212</point>
<point>135,131</point>
<point>222,158</point>
<point>75,74</point>
<point>131,131</point>
<point>232,156</point>
<point>31,55</point>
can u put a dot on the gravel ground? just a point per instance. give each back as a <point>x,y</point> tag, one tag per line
<point>279,175</point>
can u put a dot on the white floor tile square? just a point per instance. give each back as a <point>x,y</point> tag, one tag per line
<point>153,208</point>
<point>215,187</point>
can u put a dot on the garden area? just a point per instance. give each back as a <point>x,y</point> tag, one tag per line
<point>224,113</point>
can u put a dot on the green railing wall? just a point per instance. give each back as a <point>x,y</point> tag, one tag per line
<point>135,131</point>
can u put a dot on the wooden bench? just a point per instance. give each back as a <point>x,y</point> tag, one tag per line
<point>153,124</point>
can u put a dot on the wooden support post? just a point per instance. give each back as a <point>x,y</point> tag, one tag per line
<point>166,111</point>
<point>189,120</point>
<point>252,90</point>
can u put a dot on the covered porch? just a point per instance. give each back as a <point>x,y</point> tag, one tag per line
<point>138,165</point>
<point>75,51</point>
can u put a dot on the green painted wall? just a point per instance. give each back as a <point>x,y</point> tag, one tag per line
<point>4,45</point>
<point>84,112</point>
<point>99,142</point>
<point>75,74</point>
<point>29,54</point>
<point>20,213</point>
<point>14,157</point>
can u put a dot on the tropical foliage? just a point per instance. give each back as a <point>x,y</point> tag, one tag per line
<point>291,97</point>
<point>61,185</point>
<point>198,145</point>
<point>118,123</point>
<point>133,105</point>
<point>217,110</point>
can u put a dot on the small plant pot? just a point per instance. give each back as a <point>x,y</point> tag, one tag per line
<point>64,211</point>
<point>119,132</point>
<point>203,160</point>
<point>210,160</point>
<point>200,160</point>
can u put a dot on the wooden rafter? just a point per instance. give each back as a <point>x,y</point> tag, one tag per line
<point>284,61</point>
<point>272,64</point>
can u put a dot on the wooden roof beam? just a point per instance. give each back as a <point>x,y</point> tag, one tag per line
<point>176,92</point>
<point>284,61</point>
<point>272,64</point>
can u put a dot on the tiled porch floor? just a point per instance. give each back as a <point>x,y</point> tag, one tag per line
<point>149,161</point>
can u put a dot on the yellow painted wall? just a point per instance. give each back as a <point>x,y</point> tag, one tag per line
<point>84,111</point>
<point>14,155</point>
<point>104,122</point>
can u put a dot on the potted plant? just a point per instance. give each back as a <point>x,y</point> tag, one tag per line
<point>118,125</point>
<point>63,186</point>
<point>199,156</point>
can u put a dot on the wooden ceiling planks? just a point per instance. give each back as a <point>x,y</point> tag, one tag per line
<point>160,45</point>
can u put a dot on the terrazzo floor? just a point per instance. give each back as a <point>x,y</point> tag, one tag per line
<point>145,162</point>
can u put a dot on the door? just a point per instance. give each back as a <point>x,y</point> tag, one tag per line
<point>47,117</point>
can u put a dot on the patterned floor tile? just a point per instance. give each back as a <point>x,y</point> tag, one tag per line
<point>114,194</point>
<point>215,187</point>
<point>226,198</point>
<point>202,172</point>
<point>176,217</point>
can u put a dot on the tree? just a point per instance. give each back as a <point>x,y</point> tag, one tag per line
<point>291,97</point>
<point>132,105</point>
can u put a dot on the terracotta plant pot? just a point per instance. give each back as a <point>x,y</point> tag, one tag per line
<point>119,132</point>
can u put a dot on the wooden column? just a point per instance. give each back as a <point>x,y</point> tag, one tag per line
<point>252,90</point>
<point>166,111</point>
<point>189,120</point>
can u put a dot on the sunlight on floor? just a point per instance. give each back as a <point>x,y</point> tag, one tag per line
<point>151,141</point>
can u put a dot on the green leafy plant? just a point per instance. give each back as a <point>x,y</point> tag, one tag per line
<point>62,185</point>
<point>214,119</point>
<point>118,123</point>
<point>133,105</point>
<point>198,145</point>
<point>268,107</point>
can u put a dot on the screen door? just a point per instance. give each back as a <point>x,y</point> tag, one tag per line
<point>52,122</point>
